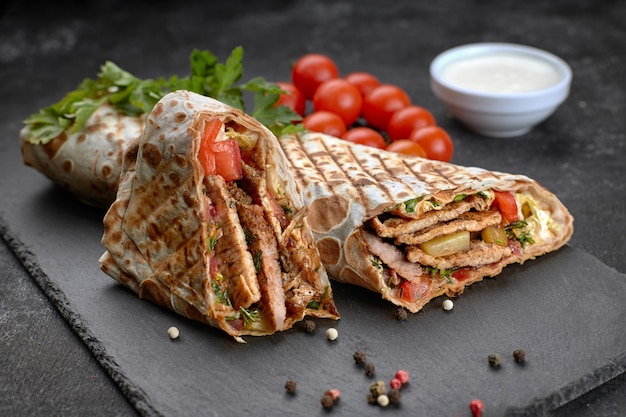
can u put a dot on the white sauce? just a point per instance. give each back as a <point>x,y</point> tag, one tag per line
<point>502,72</point>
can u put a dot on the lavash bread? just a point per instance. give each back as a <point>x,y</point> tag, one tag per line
<point>155,232</point>
<point>345,186</point>
<point>87,163</point>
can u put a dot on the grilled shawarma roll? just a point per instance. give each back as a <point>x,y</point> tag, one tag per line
<point>209,223</point>
<point>413,229</point>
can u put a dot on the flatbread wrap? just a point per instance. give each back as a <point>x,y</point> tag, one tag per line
<point>208,222</point>
<point>413,229</point>
<point>86,162</point>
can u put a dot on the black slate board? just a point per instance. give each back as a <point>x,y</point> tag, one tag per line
<point>563,309</point>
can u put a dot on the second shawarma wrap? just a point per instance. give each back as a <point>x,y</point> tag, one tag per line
<point>413,229</point>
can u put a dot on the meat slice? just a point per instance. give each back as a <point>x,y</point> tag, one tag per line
<point>262,244</point>
<point>392,256</point>
<point>472,221</point>
<point>396,226</point>
<point>479,253</point>
<point>231,250</point>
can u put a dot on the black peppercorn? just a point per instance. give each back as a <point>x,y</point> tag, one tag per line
<point>290,386</point>
<point>369,369</point>
<point>394,396</point>
<point>401,314</point>
<point>309,326</point>
<point>519,355</point>
<point>359,357</point>
<point>327,401</point>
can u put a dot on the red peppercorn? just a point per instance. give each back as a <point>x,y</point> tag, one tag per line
<point>395,383</point>
<point>476,406</point>
<point>334,394</point>
<point>402,376</point>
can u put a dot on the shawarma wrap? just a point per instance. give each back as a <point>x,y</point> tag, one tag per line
<point>209,223</point>
<point>87,162</point>
<point>413,229</point>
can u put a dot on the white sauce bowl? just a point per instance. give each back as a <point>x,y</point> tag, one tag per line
<point>500,89</point>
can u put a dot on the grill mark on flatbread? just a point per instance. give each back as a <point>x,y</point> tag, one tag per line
<point>479,253</point>
<point>471,221</point>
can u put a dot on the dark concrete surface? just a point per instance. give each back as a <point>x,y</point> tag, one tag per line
<point>46,48</point>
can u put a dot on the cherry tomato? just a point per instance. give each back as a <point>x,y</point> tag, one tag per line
<point>506,204</point>
<point>364,81</point>
<point>341,97</point>
<point>292,98</point>
<point>435,141</point>
<point>325,122</point>
<point>407,147</point>
<point>310,71</point>
<point>406,120</point>
<point>365,136</point>
<point>380,103</point>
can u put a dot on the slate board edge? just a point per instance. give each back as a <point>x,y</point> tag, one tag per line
<point>570,392</point>
<point>133,393</point>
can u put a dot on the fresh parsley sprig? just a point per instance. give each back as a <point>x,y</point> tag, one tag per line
<point>136,97</point>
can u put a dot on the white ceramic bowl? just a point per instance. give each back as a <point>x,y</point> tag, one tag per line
<point>500,113</point>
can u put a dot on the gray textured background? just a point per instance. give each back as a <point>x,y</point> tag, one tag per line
<point>46,49</point>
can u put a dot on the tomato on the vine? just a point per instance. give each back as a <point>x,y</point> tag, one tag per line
<point>380,103</point>
<point>365,136</point>
<point>407,147</point>
<point>341,97</point>
<point>435,141</point>
<point>310,71</point>
<point>364,81</point>
<point>407,119</point>
<point>292,98</point>
<point>325,122</point>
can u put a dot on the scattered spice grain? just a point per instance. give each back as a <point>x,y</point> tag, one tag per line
<point>359,357</point>
<point>291,386</point>
<point>402,375</point>
<point>332,333</point>
<point>327,401</point>
<point>383,400</point>
<point>494,360</point>
<point>369,368</point>
<point>447,305</point>
<point>395,383</point>
<point>173,332</point>
<point>519,355</point>
<point>334,393</point>
<point>394,396</point>
<point>377,388</point>
<point>309,325</point>
<point>476,407</point>
<point>401,314</point>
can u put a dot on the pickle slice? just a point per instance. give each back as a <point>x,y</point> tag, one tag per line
<point>447,244</point>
